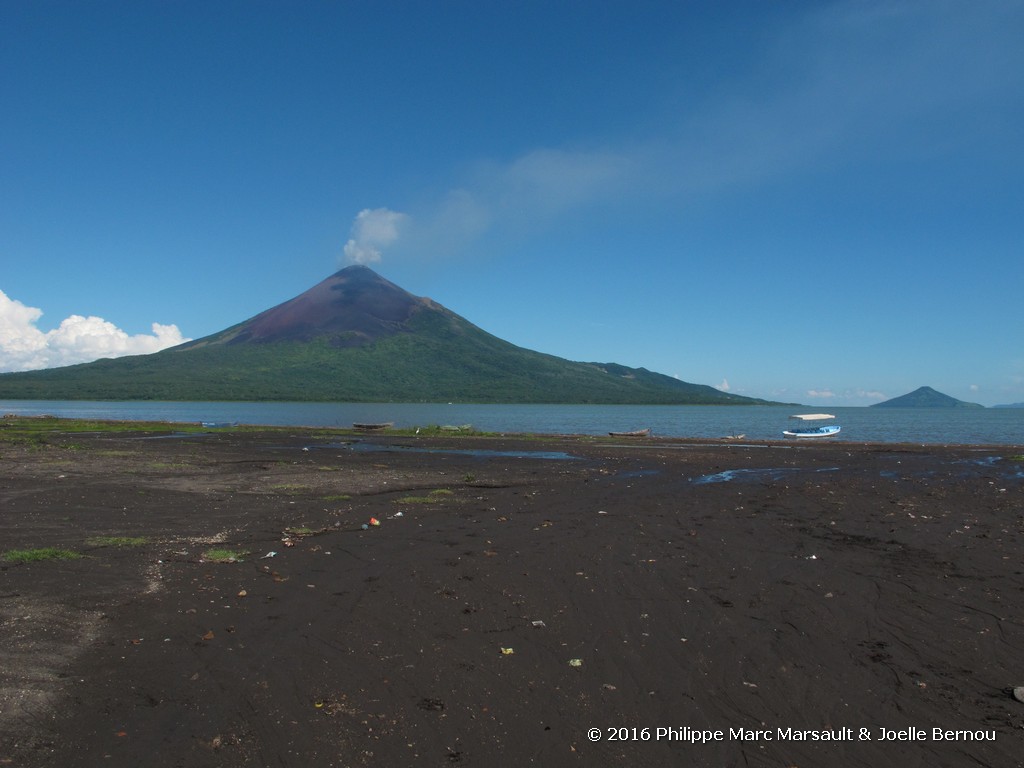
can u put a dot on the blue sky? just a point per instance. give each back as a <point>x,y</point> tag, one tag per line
<point>811,202</point>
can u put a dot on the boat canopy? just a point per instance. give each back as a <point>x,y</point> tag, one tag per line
<point>812,416</point>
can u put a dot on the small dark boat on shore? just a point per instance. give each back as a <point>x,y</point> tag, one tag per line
<point>363,427</point>
<point>634,433</point>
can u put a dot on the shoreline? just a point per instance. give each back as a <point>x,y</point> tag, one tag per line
<point>442,432</point>
<point>924,426</point>
<point>710,585</point>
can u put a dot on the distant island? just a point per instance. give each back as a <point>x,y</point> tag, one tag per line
<point>356,337</point>
<point>1010,405</point>
<point>925,397</point>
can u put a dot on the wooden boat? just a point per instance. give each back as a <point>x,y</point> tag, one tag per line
<point>634,433</point>
<point>829,430</point>
<point>363,427</point>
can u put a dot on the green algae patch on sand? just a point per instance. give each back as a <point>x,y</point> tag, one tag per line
<point>117,541</point>
<point>223,556</point>
<point>434,497</point>
<point>40,554</point>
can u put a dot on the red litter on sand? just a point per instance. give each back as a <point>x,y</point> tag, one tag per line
<point>374,521</point>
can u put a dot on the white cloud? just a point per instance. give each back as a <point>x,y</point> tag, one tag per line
<point>724,386</point>
<point>24,347</point>
<point>871,394</point>
<point>850,397</point>
<point>373,230</point>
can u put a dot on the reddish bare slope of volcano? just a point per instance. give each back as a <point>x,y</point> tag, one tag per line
<point>352,307</point>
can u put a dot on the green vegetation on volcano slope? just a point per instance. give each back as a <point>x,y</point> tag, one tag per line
<point>439,362</point>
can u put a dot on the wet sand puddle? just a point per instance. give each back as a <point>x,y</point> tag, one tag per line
<point>753,475</point>
<point>996,467</point>
<point>633,474</point>
<point>360,447</point>
<point>967,468</point>
<point>1006,469</point>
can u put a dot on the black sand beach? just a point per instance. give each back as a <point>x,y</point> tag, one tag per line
<point>557,601</point>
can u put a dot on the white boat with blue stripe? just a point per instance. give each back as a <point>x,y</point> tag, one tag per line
<point>822,430</point>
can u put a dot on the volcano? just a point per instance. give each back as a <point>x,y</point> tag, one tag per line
<point>356,337</point>
<point>925,397</point>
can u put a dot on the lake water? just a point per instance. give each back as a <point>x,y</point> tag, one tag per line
<point>912,425</point>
